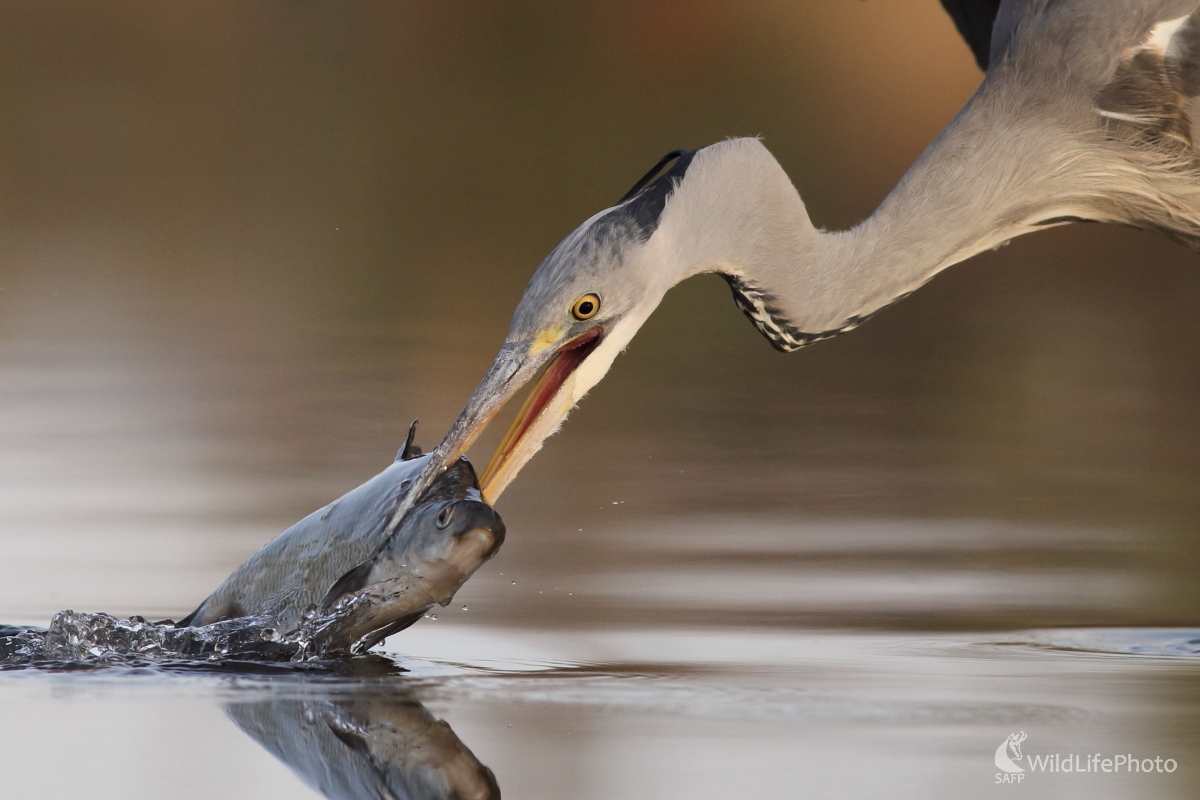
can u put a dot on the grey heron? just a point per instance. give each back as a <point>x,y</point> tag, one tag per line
<point>1083,114</point>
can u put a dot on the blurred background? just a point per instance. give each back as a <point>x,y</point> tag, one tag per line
<point>244,244</point>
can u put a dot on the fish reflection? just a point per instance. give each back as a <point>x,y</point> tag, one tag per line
<point>385,747</point>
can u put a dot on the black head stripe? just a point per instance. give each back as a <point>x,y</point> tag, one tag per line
<point>643,204</point>
<point>681,158</point>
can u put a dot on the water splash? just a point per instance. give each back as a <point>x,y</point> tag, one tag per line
<point>346,628</point>
<point>75,636</point>
<point>80,636</point>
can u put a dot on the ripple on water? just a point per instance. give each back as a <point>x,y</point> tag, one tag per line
<point>1173,643</point>
<point>677,696</point>
<point>1179,643</point>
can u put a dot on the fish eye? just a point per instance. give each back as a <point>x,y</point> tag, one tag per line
<point>586,306</point>
<point>444,517</point>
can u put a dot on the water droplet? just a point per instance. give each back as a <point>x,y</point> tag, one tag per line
<point>466,609</point>
<point>514,583</point>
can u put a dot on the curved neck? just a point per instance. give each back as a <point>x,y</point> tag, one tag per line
<point>975,187</point>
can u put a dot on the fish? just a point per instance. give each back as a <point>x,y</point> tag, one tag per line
<point>344,568</point>
<point>439,545</point>
<point>367,746</point>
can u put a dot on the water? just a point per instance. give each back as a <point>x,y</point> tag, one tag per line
<point>244,246</point>
<point>84,639</point>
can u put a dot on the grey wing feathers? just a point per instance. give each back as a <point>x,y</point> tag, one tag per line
<point>1154,84</point>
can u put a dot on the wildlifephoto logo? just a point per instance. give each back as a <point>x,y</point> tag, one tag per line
<point>1008,754</point>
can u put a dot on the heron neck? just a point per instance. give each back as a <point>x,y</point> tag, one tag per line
<point>908,240</point>
<point>942,212</point>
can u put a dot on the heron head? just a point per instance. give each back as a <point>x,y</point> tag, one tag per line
<point>726,207</point>
<point>582,306</point>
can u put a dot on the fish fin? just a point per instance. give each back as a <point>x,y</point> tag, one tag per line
<point>350,738</point>
<point>375,637</point>
<point>188,621</point>
<point>410,450</point>
<point>352,581</point>
<point>210,612</point>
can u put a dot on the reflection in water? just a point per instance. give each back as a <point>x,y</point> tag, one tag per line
<point>367,746</point>
<point>1165,642</point>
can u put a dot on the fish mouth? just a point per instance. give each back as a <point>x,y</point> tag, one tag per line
<point>470,550</point>
<point>477,532</point>
<point>532,424</point>
<point>483,533</point>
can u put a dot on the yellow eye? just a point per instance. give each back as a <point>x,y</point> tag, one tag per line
<point>586,307</point>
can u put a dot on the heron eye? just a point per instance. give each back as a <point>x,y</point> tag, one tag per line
<point>586,306</point>
<point>443,518</point>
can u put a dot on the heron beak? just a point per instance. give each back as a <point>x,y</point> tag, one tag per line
<point>541,414</point>
<point>548,404</point>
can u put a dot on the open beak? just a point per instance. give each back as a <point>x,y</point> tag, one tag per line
<point>548,404</point>
<point>543,411</point>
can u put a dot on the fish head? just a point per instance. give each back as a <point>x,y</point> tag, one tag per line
<point>446,537</point>
<point>450,526</point>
